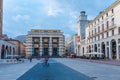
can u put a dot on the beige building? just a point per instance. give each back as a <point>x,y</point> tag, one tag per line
<point>103,33</point>
<point>20,47</point>
<point>45,43</point>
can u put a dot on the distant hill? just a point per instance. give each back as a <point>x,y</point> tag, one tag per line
<point>21,38</point>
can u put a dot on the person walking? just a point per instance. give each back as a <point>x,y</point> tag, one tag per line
<point>31,59</point>
<point>46,60</point>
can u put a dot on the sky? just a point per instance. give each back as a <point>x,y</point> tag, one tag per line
<point>19,16</point>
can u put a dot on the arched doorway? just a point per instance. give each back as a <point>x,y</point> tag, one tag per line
<point>83,50</point>
<point>95,47</point>
<point>113,49</point>
<point>3,52</point>
<point>13,51</point>
<point>10,50</point>
<point>119,51</point>
<point>6,52</point>
<point>89,48</point>
<point>103,49</point>
<point>119,48</point>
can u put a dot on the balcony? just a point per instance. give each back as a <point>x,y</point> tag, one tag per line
<point>104,30</point>
<point>110,27</point>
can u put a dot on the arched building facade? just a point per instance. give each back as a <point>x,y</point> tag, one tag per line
<point>6,49</point>
<point>103,33</point>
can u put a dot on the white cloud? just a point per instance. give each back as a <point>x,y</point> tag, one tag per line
<point>66,35</point>
<point>54,12</point>
<point>51,8</point>
<point>19,17</point>
<point>36,27</point>
<point>74,14</point>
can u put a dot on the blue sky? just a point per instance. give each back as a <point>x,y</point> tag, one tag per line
<point>19,16</point>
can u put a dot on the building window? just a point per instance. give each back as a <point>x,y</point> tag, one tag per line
<point>95,22</point>
<point>92,48</point>
<point>98,45</point>
<point>107,14</point>
<point>92,32</point>
<point>107,34</point>
<point>92,39</point>
<point>102,27</point>
<point>118,41</point>
<point>102,35</point>
<point>98,20</point>
<point>95,30</point>
<point>112,21</point>
<point>107,43</point>
<point>98,28</point>
<point>36,45</point>
<point>119,30</point>
<point>112,32</point>
<point>107,24</point>
<point>98,37</point>
<point>112,10</point>
<point>55,40</point>
<point>102,17</point>
<point>45,40</point>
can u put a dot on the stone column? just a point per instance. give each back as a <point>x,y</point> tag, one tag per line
<point>100,49</point>
<point>110,51</point>
<point>117,50</point>
<point>61,46</point>
<point>12,51</point>
<point>41,47</point>
<point>0,50</point>
<point>106,50</point>
<point>50,46</point>
<point>93,47</point>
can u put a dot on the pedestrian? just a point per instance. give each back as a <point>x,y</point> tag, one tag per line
<point>46,60</point>
<point>31,59</point>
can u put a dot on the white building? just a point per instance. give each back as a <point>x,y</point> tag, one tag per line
<point>103,33</point>
<point>82,22</point>
<point>7,49</point>
<point>72,44</point>
<point>45,43</point>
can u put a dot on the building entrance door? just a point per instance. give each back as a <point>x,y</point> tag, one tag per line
<point>46,52</point>
<point>107,52</point>
<point>113,49</point>
<point>103,50</point>
<point>54,52</point>
<point>3,52</point>
<point>119,52</point>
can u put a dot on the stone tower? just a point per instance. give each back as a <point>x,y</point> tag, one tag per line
<point>81,25</point>
<point>81,30</point>
<point>1,16</point>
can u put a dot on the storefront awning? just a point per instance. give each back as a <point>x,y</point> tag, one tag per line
<point>93,53</point>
